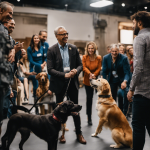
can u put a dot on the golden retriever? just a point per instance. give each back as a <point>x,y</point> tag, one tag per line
<point>42,88</point>
<point>111,116</point>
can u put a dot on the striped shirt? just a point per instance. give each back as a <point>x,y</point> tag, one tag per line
<point>140,82</point>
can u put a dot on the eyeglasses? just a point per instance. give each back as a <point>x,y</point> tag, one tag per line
<point>63,34</point>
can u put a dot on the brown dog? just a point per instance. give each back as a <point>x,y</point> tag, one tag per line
<point>42,88</point>
<point>111,116</point>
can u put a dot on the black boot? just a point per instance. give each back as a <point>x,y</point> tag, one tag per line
<point>89,120</point>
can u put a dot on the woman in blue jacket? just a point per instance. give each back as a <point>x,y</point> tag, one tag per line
<point>35,56</point>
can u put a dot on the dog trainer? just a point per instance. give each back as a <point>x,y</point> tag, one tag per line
<point>63,63</point>
<point>140,83</point>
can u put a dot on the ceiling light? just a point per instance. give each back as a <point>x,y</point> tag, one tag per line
<point>145,7</point>
<point>123,4</point>
<point>101,3</point>
<point>66,5</point>
<point>18,0</point>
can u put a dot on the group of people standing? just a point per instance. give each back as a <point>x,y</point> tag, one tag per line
<point>63,64</point>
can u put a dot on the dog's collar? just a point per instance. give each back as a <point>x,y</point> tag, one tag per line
<point>104,96</point>
<point>54,117</point>
<point>114,103</point>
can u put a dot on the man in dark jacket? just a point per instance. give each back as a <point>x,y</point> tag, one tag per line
<point>117,70</point>
<point>64,65</point>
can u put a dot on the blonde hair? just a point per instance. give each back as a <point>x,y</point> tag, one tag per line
<point>94,46</point>
<point>24,61</point>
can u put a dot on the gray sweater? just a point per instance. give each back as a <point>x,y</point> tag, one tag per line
<point>140,82</point>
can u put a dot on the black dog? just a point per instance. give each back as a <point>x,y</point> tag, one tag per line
<point>45,127</point>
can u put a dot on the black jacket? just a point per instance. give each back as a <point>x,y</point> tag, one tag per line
<point>55,66</point>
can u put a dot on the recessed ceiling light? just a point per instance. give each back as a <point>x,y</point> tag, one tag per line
<point>101,3</point>
<point>145,7</point>
<point>123,4</point>
<point>18,0</point>
<point>66,5</point>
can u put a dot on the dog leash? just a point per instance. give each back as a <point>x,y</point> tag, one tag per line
<point>18,107</point>
<point>37,101</point>
<point>67,88</point>
<point>128,110</point>
<point>24,108</point>
<point>29,110</point>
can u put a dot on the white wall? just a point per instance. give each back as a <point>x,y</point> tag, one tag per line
<point>79,25</point>
<point>22,30</point>
<point>111,32</point>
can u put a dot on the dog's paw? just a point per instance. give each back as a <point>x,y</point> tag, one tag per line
<point>116,146</point>
<point>112,146</point>
<point>94,135</point>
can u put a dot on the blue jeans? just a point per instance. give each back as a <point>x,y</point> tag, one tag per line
<point>21,79</point>
<point>114,89</point>
<point>140,120</point>
<point>35,83</point>
<point>120,95</point>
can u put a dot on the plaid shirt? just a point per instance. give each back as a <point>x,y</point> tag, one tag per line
<point>140,82</point>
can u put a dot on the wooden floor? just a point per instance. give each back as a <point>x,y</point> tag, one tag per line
<point>102,142</point>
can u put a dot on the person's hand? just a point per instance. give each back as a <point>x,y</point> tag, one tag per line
<point>34,73</point>
<point>73,72</point>
<point>93,76</point>
<point>23,51</point>
<point>67,75</point>
<point>129,95</point>
<point>50,92</point>
<point>123,85</point>
<point>18,46</point>
<point>11,56</point>
<point>90,76</point>
<point>11,94</point>
<point>44,63</point>
<point>42,66</point>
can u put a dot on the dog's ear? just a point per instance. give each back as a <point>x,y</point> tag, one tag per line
<point>37,76</point>
<point>46,76</point>
<point>105,88</point>
<point>63,108</point>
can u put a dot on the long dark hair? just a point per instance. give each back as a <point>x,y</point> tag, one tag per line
<point>32,43</point>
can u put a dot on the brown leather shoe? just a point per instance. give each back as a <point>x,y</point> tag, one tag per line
<point>81,139</point>
<point>62,139</point>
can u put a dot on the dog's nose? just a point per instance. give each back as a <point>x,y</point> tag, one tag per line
<point>80,106</point>
<point>42,79</point>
